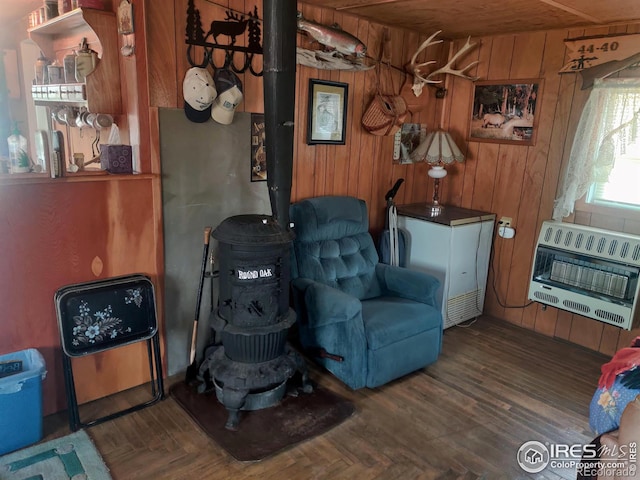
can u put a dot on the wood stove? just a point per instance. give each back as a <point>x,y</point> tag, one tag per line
<point>251,367</point>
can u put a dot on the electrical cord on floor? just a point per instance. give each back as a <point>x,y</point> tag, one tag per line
<point>493,282</point>
<point>478,242</point>
<point>467,324</point>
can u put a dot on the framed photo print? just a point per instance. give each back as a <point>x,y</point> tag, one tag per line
<point>327,112</point>
<point>406,140</point>
<point>506,111</point>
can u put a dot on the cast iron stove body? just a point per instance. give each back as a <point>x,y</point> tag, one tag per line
<point>251,369</point>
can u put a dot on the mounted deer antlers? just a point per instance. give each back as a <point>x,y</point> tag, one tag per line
<point>419,80</point>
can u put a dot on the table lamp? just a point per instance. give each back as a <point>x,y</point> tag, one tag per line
<point>438,149</point>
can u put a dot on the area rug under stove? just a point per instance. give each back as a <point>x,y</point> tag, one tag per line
<point>71,457</point>
<point>262,433</point>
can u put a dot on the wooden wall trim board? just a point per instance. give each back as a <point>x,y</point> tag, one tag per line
<point>161,19</point>
<point>537,169</point>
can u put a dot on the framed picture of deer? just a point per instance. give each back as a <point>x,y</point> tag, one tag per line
<point>506,111</point>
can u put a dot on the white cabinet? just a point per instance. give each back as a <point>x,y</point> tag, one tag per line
<point>455,247</point>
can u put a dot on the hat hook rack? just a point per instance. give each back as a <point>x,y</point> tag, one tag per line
<point>229,62</point>
<point>236,24</point>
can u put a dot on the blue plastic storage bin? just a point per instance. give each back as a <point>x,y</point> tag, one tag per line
<point>21,401</point>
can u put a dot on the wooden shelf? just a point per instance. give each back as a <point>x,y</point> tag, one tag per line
<point>60,35</point>
<point>61,24</point>
<point>40,178</point>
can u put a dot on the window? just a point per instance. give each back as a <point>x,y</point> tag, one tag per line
<point>622,188</point>
<point>604,162</point>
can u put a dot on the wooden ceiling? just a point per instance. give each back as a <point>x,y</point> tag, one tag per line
<point>459,18</point>
<point>456,18</point>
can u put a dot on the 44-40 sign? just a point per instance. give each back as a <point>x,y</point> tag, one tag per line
<point>588,52</point>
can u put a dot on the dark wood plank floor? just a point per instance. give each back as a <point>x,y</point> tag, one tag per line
<point>495,387</point>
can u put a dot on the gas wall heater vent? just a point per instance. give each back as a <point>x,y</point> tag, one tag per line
<point>567,239</point>
<point>558,236</point>
<point>547,234</point>
<point>546,298</point>
<point>611,317</point>
<point>581,307</point>
<point>589,244</point>
<point>588,271</point>
<point>624,251</point>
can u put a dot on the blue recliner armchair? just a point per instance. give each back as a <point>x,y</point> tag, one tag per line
<point>366,322</point>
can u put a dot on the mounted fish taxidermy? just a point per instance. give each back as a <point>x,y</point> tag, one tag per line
<point>342,51</point>
<point>332,36</point>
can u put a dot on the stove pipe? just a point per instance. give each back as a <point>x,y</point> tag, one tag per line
<point>280,26</point>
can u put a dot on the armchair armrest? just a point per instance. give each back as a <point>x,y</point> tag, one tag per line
<point>326,305</point>
<point>409,284</point>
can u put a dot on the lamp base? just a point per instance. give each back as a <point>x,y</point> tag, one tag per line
<point>436,172</point>
<point>434,209</point>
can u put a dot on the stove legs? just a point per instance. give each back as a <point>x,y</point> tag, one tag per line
<point>253,386</point>
<point>300,367</point>
<point>233,400</point>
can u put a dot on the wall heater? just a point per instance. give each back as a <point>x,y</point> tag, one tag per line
<point>588,271</point>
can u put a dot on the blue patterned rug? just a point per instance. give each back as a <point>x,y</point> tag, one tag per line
<point>73,457</point>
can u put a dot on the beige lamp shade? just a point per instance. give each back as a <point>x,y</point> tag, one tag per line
<point>437,148</point>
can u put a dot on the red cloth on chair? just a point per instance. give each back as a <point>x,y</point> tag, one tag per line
<point>624,359</point>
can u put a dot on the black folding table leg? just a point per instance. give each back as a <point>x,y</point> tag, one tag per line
<point>158,362</point>
<point>72,401</point>
<point>151,370</point>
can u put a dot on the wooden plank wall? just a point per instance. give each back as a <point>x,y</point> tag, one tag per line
<point>521,181</point>
<point>57,233</point>
<point>510,180</point>
<point>62,234</point>
<point>363,167</point>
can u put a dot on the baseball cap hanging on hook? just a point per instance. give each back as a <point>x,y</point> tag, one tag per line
<point>229,89</point>
<point>199,92</point>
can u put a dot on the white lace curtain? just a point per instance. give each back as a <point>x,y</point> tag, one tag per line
<point>610,121</point>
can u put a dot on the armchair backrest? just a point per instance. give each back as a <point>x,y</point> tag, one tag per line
<point>333,245</point>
